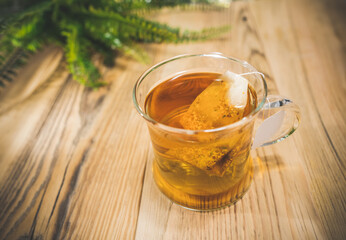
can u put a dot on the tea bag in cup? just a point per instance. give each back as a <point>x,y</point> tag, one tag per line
<point>221,103</point>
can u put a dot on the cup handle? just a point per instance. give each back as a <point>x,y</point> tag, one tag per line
<point>280,118</point>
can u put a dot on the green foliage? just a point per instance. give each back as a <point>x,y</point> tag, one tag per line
<point>85,27</point>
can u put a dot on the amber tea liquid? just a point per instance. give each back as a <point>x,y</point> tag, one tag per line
<point>204,170</point>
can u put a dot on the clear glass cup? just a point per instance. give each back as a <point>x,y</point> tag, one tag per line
<point>192,185</point>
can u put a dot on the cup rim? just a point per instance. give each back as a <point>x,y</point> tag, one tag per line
<point>242,121</point>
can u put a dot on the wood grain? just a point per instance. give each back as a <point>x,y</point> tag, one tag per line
<point>76,163</point>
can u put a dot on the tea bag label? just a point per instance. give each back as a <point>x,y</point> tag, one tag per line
<point>238,89</point>
<point>220,104</point>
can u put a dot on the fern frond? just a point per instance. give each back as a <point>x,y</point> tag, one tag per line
<point>147,8</point>
<point>84,27</point>
<point>143,30</point>
<point>78,60</point>
<point>100,47</point>
<point>24,35</point>
<point>204,34</point>
<point>17,41</point>
<point>18,18</point>
<point>14,59</point>
<point>107,37</point>
<point>139,28</point>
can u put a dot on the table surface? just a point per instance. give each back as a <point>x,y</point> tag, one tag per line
<point>75,163</point>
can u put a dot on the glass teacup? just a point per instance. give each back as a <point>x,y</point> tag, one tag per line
<point>212,168</point>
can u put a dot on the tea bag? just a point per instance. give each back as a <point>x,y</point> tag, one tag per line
<point>221,103</point>
<point>204,158</point>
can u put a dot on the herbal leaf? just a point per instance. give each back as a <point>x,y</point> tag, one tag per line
<point>85,27</point>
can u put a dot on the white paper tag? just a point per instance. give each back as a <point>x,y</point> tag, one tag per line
<point>268,128</point>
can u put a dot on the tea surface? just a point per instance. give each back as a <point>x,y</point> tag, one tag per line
<point>170,102</point>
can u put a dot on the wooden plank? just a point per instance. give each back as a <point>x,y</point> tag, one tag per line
<point>73,171</point>
<point>304,47</point>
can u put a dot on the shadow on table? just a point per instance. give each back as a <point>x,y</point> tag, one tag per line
<point>270,204</point>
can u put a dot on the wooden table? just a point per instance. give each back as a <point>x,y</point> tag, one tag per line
<point>75,163</point>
